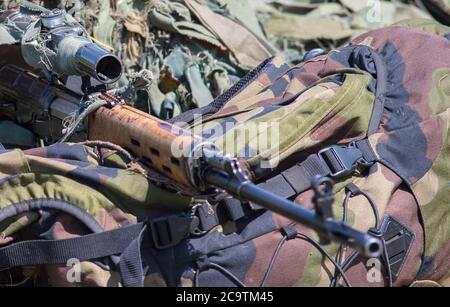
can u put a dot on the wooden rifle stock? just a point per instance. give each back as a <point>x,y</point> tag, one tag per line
<point>162,146</point>
<point>159,144</point>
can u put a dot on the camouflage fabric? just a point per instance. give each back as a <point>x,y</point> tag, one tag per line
<point>415,110</point>
<point>71,174</point>
<point>103,182</point>
<point>369,89</point>
<point>187,47</point>
<point>190,47</point>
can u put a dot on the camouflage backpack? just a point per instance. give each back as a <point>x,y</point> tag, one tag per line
<point>373,115</point>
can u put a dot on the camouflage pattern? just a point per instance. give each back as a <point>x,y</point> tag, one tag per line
<point>184,44</point>
<point>190,47</point>
<point>324,101</point>
<point>105,183</point>
<point>411,142</point>
<point>424,119</point>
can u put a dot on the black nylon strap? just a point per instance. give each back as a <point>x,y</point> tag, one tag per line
<point>130,264</point>
<point>235,210</point>
<point>299,176</point>
<point>366,150</point>
<point>279,186</point>
<point>297,179</point>
<point>208,217</point>
<point>92,246</point>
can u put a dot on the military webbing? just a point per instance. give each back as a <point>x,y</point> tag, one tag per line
<point>124,242</point>
<point>83,248</point>
<point>328,162</point>
<point>166,232</point>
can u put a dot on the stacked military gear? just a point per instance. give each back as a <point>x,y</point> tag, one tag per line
<point>360,115</point>
<point>298,26</point>
<point>193,59</point>
<point>185,45</point>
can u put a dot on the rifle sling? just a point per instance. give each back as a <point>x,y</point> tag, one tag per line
<point>92,246</point>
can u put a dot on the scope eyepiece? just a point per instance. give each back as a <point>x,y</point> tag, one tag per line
<point>67,50</point>
<point>98,63</point>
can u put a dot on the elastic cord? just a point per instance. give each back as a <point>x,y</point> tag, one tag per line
<point>326,254</point>
<point>272,261</point>
<point>221,269</point>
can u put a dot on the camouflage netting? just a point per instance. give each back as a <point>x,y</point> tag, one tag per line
<point>194,59</point>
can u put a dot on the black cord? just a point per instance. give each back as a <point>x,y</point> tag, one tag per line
<point>272,261</point>
<point>340,268</point>
<point>348,262</point>
<point>374,209</point>
<point>326,254</point>
<point>355,254</point>
<point>280,244</point>
<point>221,269</point>
<point>346,265</point>
<point>345,219</point>
<point>197,273</point>
<point>342,246</point>
<point>386,264</point>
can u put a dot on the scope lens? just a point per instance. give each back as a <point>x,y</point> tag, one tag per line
<point>109,69</point>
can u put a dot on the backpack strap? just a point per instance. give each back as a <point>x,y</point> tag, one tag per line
<point>165,232</point>
<point>92,246</point>
<point>335,162</point>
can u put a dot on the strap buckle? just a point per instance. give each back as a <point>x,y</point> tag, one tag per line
<point>342,160</point>
<point>169,231</point>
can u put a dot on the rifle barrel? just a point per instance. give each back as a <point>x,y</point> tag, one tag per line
<point>366,244</point>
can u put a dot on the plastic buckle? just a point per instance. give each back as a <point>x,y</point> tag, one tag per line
<point>169,231</point>
<point>200,214</point>
<point>342,160</point>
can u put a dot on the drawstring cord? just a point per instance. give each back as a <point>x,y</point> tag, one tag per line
<point>272,261</point>
<point>219,268</point>
<point>355,191</point>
